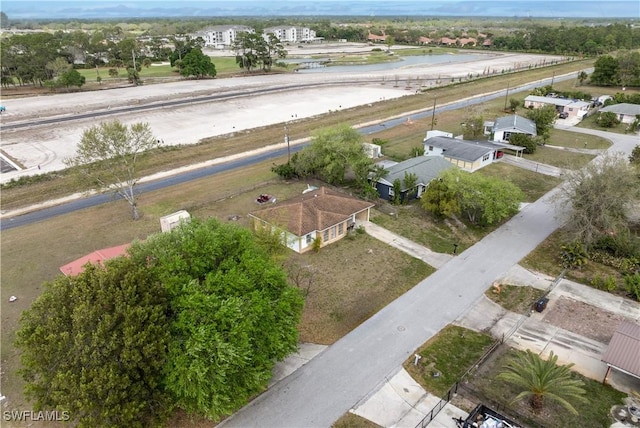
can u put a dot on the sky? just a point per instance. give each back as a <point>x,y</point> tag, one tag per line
<point>92,9</point>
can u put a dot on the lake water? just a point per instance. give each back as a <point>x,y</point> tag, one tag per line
<point>404,62</point>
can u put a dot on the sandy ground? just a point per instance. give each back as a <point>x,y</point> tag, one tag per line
<point>41,149</point>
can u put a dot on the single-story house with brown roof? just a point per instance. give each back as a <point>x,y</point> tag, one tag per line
<point>322,214</point>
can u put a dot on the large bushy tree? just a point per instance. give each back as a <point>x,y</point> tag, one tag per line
<point>95,345</point>
<point>194,318</point>
<point>332,153</point>
<point>544,117</point>
<point>108,156</point>
<point>482,200</point>
<point>233,313</point>
<point>197,64</point>
<point>596,199</point>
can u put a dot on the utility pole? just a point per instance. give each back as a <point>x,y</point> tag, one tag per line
<point>433,113</point>
<point>286,140</point>
<point>552,79</point>
<point>506,96</point>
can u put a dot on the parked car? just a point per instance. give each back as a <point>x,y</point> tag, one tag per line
<point>563,115</point>
<point>2,108</point>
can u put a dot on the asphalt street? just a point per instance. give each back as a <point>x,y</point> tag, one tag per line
<point>320,392</point>
<point>9,222</point>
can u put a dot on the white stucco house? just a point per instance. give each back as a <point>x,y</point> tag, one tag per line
<point>626,112</point>
<point>505,126</point>
<point>573,108</point>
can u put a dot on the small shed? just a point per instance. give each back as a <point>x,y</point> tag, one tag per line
<point>373,151</point>
<point>170,221</point>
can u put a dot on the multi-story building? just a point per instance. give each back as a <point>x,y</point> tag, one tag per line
<point>222,36</point>
<point>290,34</point>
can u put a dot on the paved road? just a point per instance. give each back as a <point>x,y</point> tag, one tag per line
<point>320,392</point>
<point>10,221</point>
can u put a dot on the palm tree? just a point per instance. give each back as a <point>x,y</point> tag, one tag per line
<point>582,76</point>
<point>542,379</point>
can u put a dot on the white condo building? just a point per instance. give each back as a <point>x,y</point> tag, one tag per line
<point>222,36</point>
<point>290,34</point>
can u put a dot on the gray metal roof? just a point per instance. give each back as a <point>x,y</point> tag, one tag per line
<point>469,151</point>
<point>564,102</point>
<point>623,108</point>
<point>425,167</point>
<point>515,123</point>
<point>623,352</point>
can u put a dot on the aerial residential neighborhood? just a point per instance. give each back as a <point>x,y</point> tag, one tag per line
<point>244,214</point>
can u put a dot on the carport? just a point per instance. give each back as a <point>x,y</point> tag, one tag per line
<point>623,353</point>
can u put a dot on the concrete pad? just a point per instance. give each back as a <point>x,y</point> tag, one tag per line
<point>395,399</point>
<point>519,275</point>
<point>306,352</point>
<point>482,316</point>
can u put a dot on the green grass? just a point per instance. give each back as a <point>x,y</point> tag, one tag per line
<point>593,414</point>
<point>61,184</point>
<point>350,420</point>
<point>533,185</point>
<point>559,158</point>
<point>450,353</point>
<point>514,298</point>
<point>413,222</point>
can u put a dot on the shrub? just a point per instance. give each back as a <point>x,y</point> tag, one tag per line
<point>573,255</point>
<point>632,285</point>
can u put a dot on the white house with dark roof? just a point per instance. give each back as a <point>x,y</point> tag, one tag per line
<point>426,168</point>
<point>573,108</point>
<point>222,36</point>
<point>505,126</point>
<point>468,155</point>
<point>626,112</point>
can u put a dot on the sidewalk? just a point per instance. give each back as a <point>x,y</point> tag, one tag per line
<point>437,260</point>
<point>400,402</point>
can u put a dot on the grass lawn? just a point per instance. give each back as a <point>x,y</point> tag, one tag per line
<point>533,185</point>
<point>413,222</point>
<point>594,414</point>
<point>338,300</point>
<point>60,184</point>
<point>515,298</point>
<point>449,354</point>
<point>559,158</point>
<point>350,420</point>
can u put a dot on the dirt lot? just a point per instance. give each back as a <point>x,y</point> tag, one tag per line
<point>583,319</point>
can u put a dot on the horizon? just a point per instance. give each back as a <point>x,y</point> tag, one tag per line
<point>150,9</point>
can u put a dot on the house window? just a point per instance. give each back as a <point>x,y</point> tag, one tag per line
<point>340,228</point>
<point>485,157</point>
<point>309,238</point>
<point>392,193</point>
<point>430,148</point>
<point>325,235</point>
<point>333,232</point>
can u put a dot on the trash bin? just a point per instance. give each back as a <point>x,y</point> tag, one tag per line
<point>541,304</point>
